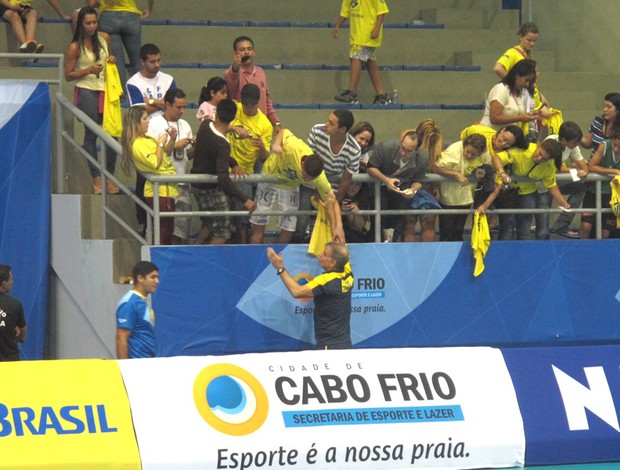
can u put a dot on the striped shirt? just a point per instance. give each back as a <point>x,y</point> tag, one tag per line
<point>335,164</point>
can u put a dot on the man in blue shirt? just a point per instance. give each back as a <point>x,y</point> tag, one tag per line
<point>135,335</point>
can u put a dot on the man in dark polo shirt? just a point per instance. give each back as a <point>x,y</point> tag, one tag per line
<point>331,292</point>
<point>12,321</point>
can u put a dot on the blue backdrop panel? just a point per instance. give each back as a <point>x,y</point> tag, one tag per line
<point>572,423</point>
<point>222,300</point>
<point>25,131</point>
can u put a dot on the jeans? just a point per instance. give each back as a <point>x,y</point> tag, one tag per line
<point>88,101</point>
<point>124,29</point>
<point>576,191</point>
<point>534,200</point>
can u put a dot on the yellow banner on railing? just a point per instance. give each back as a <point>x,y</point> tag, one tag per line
<point>65,414</point>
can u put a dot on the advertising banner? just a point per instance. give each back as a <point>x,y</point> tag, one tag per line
<point>357,409</point>
<point>65,415</point>
<point>25,159</point>
<point>570,402</point>
<point>229,300</point>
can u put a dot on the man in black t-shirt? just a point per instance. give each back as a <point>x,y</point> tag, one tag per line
<point>331,292</point>
<point>12,321</point>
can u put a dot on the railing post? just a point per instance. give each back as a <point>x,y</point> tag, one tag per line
<point>156,227</point>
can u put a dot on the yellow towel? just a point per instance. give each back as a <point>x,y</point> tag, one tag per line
<point>321,233</point>
<point>112,119</point>
<point>554,122</point>
<point>614,202</point>
<point>480,241</point>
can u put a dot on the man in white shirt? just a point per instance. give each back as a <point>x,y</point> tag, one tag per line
<point>175,103</point>
<point>147,88</point>
<point>569,136</point>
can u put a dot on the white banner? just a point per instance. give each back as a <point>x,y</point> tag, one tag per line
<point>355,409</point>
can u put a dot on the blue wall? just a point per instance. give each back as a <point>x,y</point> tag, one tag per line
<point>223,300</point>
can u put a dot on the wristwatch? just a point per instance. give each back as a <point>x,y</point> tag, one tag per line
<point>280,270</point>
<point>151,102</point>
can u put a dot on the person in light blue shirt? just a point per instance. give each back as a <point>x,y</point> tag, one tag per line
<point>135,320</point>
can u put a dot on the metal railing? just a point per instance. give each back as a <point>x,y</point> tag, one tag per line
<point>64,137</point>
<point>155,215</point>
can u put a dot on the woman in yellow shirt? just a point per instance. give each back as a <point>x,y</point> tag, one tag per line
<point>150,156</point>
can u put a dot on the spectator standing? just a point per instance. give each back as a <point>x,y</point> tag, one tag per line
<point>528,34</point>
<point>85,61</point>
<point>569,137</point>
<point>249,146</point>
<point>366,34</point>
<point>400,166</point>
<point>135,319</point>
<point>212,157</point>
<point>331,292</point>
<point>539,163</point>
<point>12,321</point>
<point>211,94</point>
<point>244,71</point>
<point>459,161</point>
<point>148,87</point>
<point>340,154</point>
<point>509,101</point>
<point>499,141</point>
<point>121,20</point>
<point>151,155</point>
<point>604,124</point>
<point>182,153</point>
<point>23,20</point>
<point>293,162</point>
<point>605,161</point>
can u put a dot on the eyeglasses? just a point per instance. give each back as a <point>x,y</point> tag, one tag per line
<point>409,153</point>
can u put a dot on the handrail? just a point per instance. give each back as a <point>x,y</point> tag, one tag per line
<point>155,215</point>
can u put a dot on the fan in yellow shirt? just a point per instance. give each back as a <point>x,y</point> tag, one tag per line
<point>366,17</point>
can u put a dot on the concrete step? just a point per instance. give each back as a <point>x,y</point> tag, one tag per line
<point>279,10</point>
<point>472,18</point>
<point>92,216</point>
<point>545,60</point>
<point>293,45</point>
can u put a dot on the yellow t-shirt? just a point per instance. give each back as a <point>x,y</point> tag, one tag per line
<point>509,59</point>
<point>452,193</point>
<point>145,159</point>
<point>288,166</point>
<point>362,16</point>
<point>487,133</point>
<point>522,164</point>
<point>118,5</point>
<point>242,150</point>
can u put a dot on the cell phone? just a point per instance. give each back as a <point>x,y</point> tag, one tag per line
<point>245,58</point>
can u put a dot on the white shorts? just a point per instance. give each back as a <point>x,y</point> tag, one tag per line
<point>266,196</point>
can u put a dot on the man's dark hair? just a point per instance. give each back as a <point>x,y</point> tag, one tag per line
<point>148,49</point>
<point>226,111</point>
<point>345,118</point>
<point>240,39</point>
<point>5,273</point>
<point>250,94</point>
<point>142,268</point>
<point>172,94</point>
<point>313,165</point>
<point>570,130</point>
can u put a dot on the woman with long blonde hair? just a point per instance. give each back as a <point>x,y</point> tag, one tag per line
<point>430,146</point>
<point>150,156</point>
